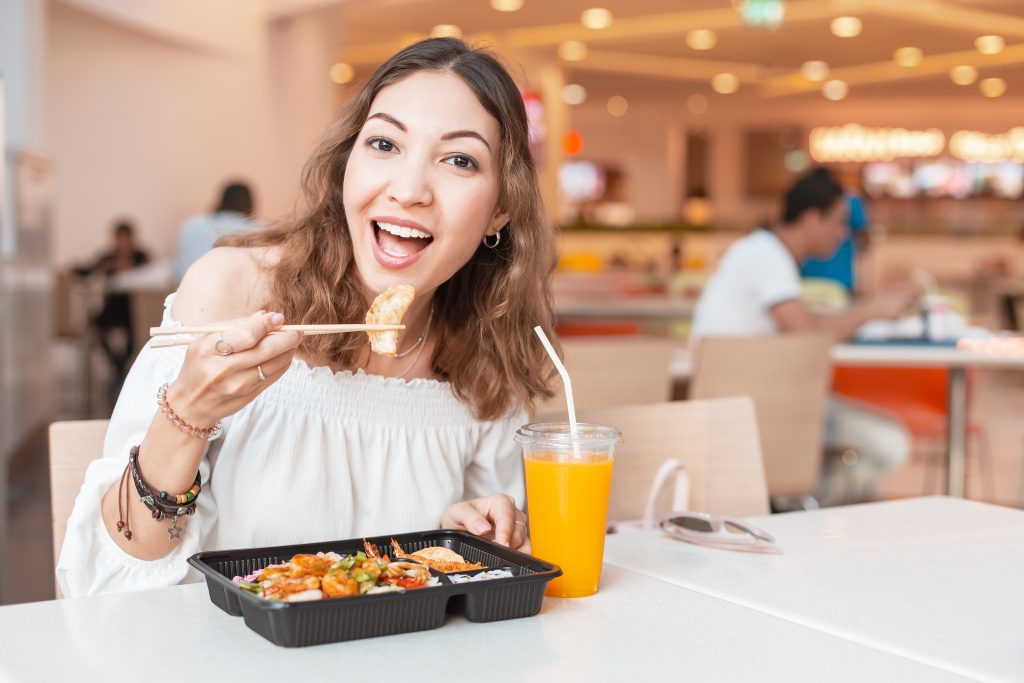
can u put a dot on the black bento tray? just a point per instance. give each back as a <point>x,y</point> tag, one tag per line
<point>299,624</point>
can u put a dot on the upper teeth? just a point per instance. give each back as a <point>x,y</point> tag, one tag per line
<point>402,231</point>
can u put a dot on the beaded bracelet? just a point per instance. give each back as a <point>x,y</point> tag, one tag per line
<point>208,433</point>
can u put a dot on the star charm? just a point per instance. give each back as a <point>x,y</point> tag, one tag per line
<point>174,532</point>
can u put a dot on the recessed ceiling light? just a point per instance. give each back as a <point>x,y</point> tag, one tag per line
<point>846,27</point>
<point>697,103</point>
<point>617,105</point>
<point>574,93</point>
<point>908,57</point>
<point>446,31</point>
<point>573,50</point>
<point>507,5</point>
<point>835,90</point>
<point>341,73</point>
<point>725,83</point>
<point>989,45</point>
<point>596,18</point>
<point>701,39</point>
<point>963,74</point>
<point>814,70</point>
<point>992,87</point>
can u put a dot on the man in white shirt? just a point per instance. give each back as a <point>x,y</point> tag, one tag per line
<point>756,291</point>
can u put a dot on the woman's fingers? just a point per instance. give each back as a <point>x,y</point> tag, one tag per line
<point>466,516</point>
<point>519,537</point>
<point>502,513</point>
<point>243,336</point>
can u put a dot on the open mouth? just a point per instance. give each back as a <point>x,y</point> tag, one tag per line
<point>400,241</point>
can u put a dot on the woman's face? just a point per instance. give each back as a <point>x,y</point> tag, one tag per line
<point>421,185</point>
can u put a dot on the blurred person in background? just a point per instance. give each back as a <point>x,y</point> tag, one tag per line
<point>841,266</point>
<point>115,318</point>
<point>756,291</point>
<point>199,233</point>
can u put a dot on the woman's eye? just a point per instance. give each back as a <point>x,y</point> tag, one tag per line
<point>381,144</point>
<point>461,161</point>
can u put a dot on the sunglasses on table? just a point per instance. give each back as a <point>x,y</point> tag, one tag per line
<point>717,531</point>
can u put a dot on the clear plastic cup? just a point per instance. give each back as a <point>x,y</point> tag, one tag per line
<point>567,485</point>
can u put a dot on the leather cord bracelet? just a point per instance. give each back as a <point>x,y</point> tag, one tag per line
<point>160,504</point>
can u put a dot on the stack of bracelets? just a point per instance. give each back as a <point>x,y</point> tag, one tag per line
<point>161,504</point>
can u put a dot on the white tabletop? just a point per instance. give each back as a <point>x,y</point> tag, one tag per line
<point>935,580</point>
<point>636,626</point>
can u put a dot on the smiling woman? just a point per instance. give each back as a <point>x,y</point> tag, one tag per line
<point>426,181</point>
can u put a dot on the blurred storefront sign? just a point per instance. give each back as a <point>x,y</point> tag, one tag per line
<point>853,142</point>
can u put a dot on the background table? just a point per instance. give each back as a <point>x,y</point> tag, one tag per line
<point>935,580</point>
<point>956,361</point>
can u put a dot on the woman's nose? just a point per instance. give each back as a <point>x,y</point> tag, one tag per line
<point>411,184</point>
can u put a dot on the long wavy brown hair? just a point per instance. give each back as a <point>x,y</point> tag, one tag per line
<point>484,315</point>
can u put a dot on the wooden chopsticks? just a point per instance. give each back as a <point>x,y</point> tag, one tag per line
<point>306,329</point>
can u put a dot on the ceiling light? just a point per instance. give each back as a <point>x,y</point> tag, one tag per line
<point>963,74</point>
<point>446,31</point>
<point>814,70</point>
<point>992,87</point>
<point>617,105</point>
<point>701,39</point>
<point>697,104</point>
<point>574,93</point>
<point>908,57</point>
<point>835,90</point>
<point>761,13</point>
<point>596,18</point>
<point>507,5</point>
<point>725,83</point>
<point>846,27</point>
<point>341,73</point>
<point>573,50</point>
<point>990,45</point>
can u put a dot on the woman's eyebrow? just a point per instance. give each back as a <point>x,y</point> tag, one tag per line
<point>447,136</point>
<point>466,134</point>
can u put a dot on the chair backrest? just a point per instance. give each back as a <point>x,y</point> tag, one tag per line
<point>147,308</point>
<point>73,445</point>
<point>787,376</point>
<point>716,440</point>
<point>614,371</point>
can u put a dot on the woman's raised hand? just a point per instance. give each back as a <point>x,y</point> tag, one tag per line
<point>495,516</point>
<point>225,371</point>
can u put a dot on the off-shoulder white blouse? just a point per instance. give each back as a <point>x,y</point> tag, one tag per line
<point>320,455</point>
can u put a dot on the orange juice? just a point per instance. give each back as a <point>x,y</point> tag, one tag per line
<point>568,505</point>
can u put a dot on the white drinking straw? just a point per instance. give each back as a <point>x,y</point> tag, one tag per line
<point>568,387</point>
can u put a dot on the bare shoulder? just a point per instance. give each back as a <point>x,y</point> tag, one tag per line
<point>226,283</point>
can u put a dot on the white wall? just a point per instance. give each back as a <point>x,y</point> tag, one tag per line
<point>149,128</point>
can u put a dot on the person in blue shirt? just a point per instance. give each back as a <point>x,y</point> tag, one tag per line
<point>841,266</point>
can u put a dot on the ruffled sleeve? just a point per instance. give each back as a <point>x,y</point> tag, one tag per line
<point>90,561</point>
<point>497,466</point>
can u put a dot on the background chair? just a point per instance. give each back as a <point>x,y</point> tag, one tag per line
<point>613,371</point>
<point>787,377</point>
<point>918,397</point>
<point>73,445</point>
<point>716,440</point>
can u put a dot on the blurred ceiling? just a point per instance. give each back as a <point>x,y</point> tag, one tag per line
<point>646,41</point>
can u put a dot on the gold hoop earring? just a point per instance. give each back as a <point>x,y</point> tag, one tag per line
<point>497,240</point>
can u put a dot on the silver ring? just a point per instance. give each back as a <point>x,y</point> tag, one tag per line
<point>518,522</point>
<point>226,349</point>
<point>263,378</point>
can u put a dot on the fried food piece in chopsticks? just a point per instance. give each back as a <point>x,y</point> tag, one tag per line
<point>389,308</point>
